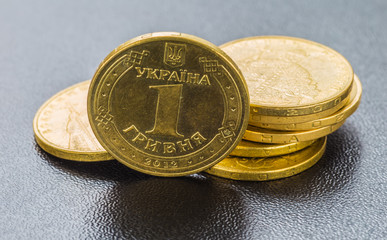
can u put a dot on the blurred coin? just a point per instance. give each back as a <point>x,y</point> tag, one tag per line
<point>255,149</point>
<point>263,169</point>
<point>291,80</point>
<point>263,135</point>
<point>62,128</point>
<point>336,117</point>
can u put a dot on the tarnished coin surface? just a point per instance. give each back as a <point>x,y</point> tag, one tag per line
<point>168,104</point>
<point>336,117</point>
<point>263,169</point>
<point>291,80</point>
<point>256,149</point>
<point>62,128</point>
<point>264,135</point>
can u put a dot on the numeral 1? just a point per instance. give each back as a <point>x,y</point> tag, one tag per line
<point>167,110</point>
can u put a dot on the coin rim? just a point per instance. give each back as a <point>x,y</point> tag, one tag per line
<point>274,174</point>
<point>277,111</point>
<point>58,151</point>
<point>347,111</point>
<point>173,36</point>
<point>275,149</point>
<point>279,136</point>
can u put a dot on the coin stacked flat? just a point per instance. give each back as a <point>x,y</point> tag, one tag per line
<point>171,104</point>
<point>300,91</point>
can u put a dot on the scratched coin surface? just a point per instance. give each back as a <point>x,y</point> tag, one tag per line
<point>290,79</point>
<point>256,149</point>
<point>62,128</point>
<point>336,117</point>
<point>263,169</point>
<point>168,104</point>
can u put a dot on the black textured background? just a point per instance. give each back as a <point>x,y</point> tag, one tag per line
<point>46,46</point>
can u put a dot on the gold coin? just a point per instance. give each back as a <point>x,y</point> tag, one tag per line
<point>168,104</point>
<point>338,116</point>
<point>263,135</point>
<point>255,149</point>
<point>263,169</point>
<point>291,80</point>
<point>62,128</point>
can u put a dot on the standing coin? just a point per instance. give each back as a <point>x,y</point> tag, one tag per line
<point>62,128</point>
<point>263,169</point>
<point>168,104</point>
<point>256,149</point>
<point>263,135</point>
<point>291,80</point>
<point>336,117</point>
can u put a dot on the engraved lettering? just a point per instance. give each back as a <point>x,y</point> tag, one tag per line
<point>139,72</point>
<point>174,77</point>
<point>163,74</point>
<point>204,80</point>
<point>152,73</point>
<point>152,145</point>
<point>268,138</point>
<point>198,139</point>
<point>317,108</point>
<point>166,75</point>
<point>193,78</point>
<point>183,147</point>
<point>169,147</point>
<point>139,137</point>
<point>293,139</point>
<point>182,75</point>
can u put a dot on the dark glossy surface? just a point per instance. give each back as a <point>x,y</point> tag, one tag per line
<point>47,46</point>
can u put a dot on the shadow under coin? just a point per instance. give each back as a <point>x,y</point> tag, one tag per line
<point>110,170</point>
<point>163,208</point>
<point>333,172</point>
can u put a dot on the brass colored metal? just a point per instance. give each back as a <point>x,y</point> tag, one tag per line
<point>255,149</point>
<point>263,135</point>
<point>336,117</point>
<point>291,80</point>
<point>264,169</point>
<point>168,104</point>
<point>62,128</point>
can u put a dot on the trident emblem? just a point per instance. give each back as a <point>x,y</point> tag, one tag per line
<point>174,54</point>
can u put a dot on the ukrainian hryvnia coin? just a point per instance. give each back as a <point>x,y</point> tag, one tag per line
<point>291,80</point>
<point>255,149</point>
<point>263,169</point>
<point>264,135</point>
<point>336,117</point>
<point>62,127</point>
<point>168,104</point>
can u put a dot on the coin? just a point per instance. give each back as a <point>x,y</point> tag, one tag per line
<point>255,149</point>
<point>62,128</point>
<point>291,80</point>
<point>263,135</point>
<point>336,117</point>
<point>263,169</point>
<point>168,104</point>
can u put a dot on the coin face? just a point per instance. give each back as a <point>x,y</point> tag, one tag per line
<point>336,117</point>
<point>291,77</point>
<point>263,169</point>
<point>168,104</point>
<point>256,149</point>
<point>62,128</point>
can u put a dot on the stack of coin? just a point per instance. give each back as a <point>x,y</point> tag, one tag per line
<point>171,104</point>
<point>300,91</point>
